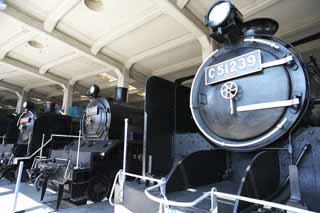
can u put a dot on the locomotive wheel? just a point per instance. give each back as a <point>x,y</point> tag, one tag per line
<point>98,188</point>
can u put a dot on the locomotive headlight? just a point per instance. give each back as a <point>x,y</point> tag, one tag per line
<point>94,91</point>
<point>25,104</point>
<point>218,13</point>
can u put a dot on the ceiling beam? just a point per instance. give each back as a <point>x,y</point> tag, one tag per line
<point>45,68</point>
<point>182,3</point>
<point>34,86</point>
<point>12,88</point>
<point>77,78</point>
<point>18,39</point>
<point>61,37</point>
<point>190,22</point>
<point>19,90</point>
<point>253,9</point>
<point>30,70</point>
<point>53,18</point>
<point>178,67</point>
<point>108,37</point>
<point>160,49</point>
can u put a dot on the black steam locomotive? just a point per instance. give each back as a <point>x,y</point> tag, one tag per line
<point>85,169</point>
<point>26,134</point>
<point>17,140</point>
<point>253,102</point>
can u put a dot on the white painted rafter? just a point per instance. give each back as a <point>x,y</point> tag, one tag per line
<point>255,8</point>
<point>186,19</point>
<point>83,50</point>
<point>190,22</point>
<point>45,68</point>
<point>107,38</point>
<point>12,88</point>
<point>25,68</point>
<point>15,41</point>
<point>182,3</point>
<point>77,78</point>
<point>19,91</point>
<point>177,67</point>
<point>41,84</point>
<point>160,49</point>
<point>53,18</point>
<point>55,94</point>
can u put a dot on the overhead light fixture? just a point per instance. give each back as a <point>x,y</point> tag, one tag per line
<point>131,88</point>
<point>36,99</point>
<point>84,98</point>
<point>142,94</point>
<point>218,13</point>
<point>108,77</point>
<point>35,44</point>
<point>95,5</point>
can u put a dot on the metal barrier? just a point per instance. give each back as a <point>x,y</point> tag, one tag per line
<point>164,203</point>
<point>17,188</point>
<point>15,160</point>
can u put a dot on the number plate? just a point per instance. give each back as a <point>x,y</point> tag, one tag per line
<point>92,111</point>
<point>233,68</point>
<point>24,120</point>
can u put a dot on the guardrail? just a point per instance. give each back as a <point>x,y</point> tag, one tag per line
<point>164,203</point>
<point>15,160</point>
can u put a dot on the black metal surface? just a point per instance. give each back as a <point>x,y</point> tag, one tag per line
<point>99,187</point>
<point>262,26</point>
<point>25,128</point>
<point>121,94</point>
<point>307,39</point>
<point>261,179</point>
<point>108,120</point>
<point>183,116</point>
<point>12,131</point>
<point>159,124</point>
<point>49,124</point>
<point>4,121</point>
<point>212,112</point>
<point>193,172</point>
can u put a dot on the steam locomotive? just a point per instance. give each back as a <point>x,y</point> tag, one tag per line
<point>17,140</point>
<point>86,168</point>
<point>254,102</point>
<point>26,134</point>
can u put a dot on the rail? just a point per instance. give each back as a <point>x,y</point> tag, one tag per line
<point>15,160</point>
<point>213,195</point>
<point>165,203</point>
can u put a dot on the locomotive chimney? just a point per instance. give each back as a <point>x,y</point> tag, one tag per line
<point>121,94</point>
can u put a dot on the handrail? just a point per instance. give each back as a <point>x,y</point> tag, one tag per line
<point>213,194</point>
<point>15,160</point>
<point>222,195</point>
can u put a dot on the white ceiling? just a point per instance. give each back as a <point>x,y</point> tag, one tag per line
<point>150,36</point>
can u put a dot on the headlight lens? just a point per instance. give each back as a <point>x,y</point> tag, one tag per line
<point>25,104</point>
<point>92,90</point>
<point>219,13</point>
